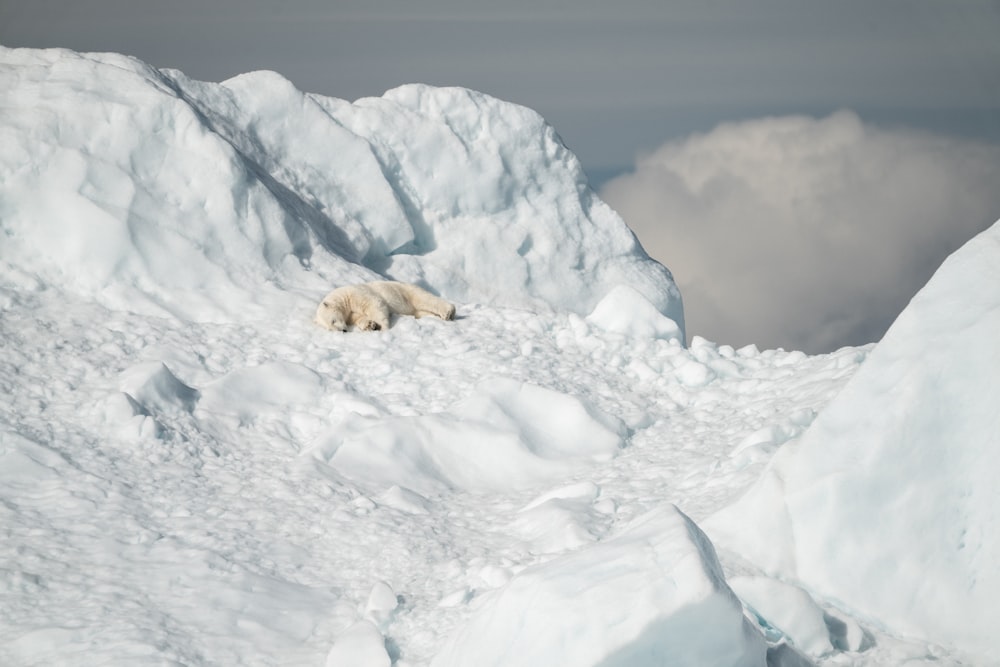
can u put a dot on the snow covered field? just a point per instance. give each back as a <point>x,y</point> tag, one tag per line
<point>193,473</point>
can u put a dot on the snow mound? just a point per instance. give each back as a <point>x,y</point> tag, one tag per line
<point>887,504</point>
<point>267,390</point>
<point>564,519</point>
<point>626,311</point>
<point>652,595</point>
<point>267,196</point>
<point>507,435</point>
<point>154,388</point>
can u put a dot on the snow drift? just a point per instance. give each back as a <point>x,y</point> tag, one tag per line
<point>887,504</point>
<point>257,189</point>
<point>507,435</point>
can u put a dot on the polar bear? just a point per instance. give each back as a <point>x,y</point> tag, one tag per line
<point>368,306</point>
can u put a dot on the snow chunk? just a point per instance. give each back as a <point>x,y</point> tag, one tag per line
<point>156,389</point>
<point>361,645</point>
<point>382,602</point>
<point>654,594</point>
<point>563,519</point>
<point>789,609</point>
<point>507,435</point>
<point>626,311</point>
<point>887,504</point>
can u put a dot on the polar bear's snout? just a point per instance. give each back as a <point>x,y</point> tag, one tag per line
<point>330,317</point>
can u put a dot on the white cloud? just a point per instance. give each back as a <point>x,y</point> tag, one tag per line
<point>803,233</point>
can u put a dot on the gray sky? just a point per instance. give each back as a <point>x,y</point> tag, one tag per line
<point>617,80</point>
<point>806,233</point>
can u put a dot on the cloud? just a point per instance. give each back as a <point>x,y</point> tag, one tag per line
<point>802,233</point>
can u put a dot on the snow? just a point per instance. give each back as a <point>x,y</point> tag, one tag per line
<point>789,610</point>
<point>192,472</point>
<point>651,595</point>
<point>438,186</point>
<point>624,310</point>
<point>888,503</point>
<point>523,435</point>
<point>362,645</point>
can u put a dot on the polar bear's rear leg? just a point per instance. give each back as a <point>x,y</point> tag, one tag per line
<point>424,303</point>
<point>447,312</point>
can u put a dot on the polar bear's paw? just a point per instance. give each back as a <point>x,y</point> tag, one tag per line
<point>368,325</point>
<point>449,313</point>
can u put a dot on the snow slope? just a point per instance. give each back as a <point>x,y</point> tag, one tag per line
<point>256,187</point>
<point>889,503</point>
<point>192,472</point>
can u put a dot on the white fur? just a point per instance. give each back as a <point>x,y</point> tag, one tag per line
<point>368,306</point>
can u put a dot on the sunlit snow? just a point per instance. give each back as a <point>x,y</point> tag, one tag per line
<point>193,472</point>
<point>888,503</point>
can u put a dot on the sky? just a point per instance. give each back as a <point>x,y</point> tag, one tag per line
<point>622,82</point>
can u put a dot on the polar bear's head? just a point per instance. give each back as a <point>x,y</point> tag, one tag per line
<point>332,316</point>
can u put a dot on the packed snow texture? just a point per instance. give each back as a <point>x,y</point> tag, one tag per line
<point>193,472</point>
<point>524,435</point>
<point>888,504</point>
